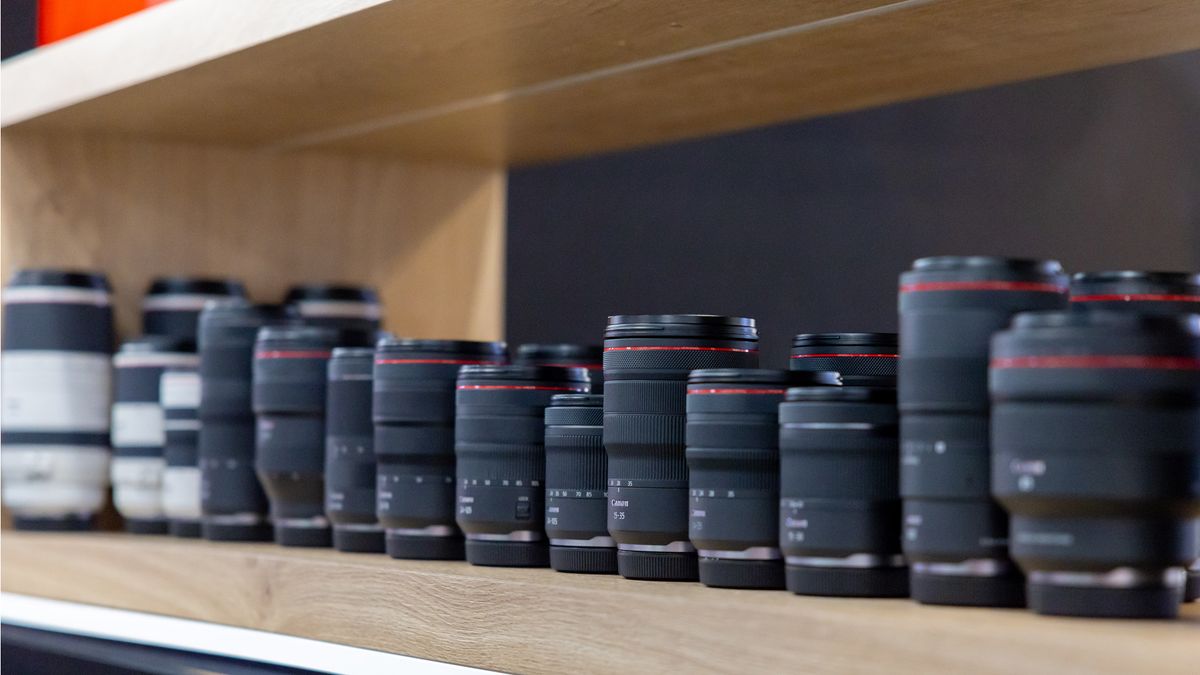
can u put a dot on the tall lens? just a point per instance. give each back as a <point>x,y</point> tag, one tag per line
<point>955,535</point>
<point>350,452</point>
<point>179,394</point>
<point>839,505</point>
<point>1096,437</point>
<point>231,498</point>
<point>353,311</point>
<point>647,359</point>
<point>499,435</point>
<point>1144,292</point>
<point>138,436</point>
<point>57,387</point>
<point>564,355</point>
<point>576,473</point>
<point>172,305</point>
<point>414,441</point>
<point>733,475</point>
<point>290,374</point>
<point>851,354</point>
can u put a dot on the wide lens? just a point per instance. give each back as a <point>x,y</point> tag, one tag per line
<point>138,436</point>
<point>839,506</point>
<point>732,438</point>
<point>353,311</point>
<point>565,355</point>
<point>499,436</point>
<point>172,305</point>
<point>1096,438</point>
<point>179,394</point>
<point>57,387</point>
<point>576,473</point>
<point>955,535</point>
<point>1144,292</point>
<point>232,500</point>
<point>413,409</point>
<point>290,375</point>
<point>647,359</point>
<point>350,452</point>
<point>851,354</point>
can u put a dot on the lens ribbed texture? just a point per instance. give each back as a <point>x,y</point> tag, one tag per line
<point>578,460</point>
<point>847,365</point>
<point>683,360</point>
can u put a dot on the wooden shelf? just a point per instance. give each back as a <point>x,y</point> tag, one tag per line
<point>542,621</point>
<point>520,81</point>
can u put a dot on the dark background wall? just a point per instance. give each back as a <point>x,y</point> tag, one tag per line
<point>806,226</point>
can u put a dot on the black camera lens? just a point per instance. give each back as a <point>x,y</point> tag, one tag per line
<point>172,305</point>
<point>955,534</point>
<point>647,359</point>
<point>57,388</point>
<point>350,452</point>
<point>851,354</point>
<point>732,439</point>
<point>290,377</point>
<point>499,447</point>
<point>353,311</point>
<point>576,474</point>
<point>179,394</point>
<point>588,357</point>
<point>413,409</point>
<point>839,507</point>
<point>231,498</point>
<point>138,436</point>
<point>1096,451</point>
<point>1145,292</point>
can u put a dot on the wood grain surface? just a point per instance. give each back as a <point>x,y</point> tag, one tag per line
<point>539,621</point>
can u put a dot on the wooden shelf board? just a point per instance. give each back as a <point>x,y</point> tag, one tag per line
<point>522,81</point>
<point>542,621</point>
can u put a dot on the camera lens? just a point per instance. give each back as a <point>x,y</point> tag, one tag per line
<point>290,376</point>
<point>733,475</point>
<point>350,452</point>
<point>57,387</point>
<point>351,310</point>
<point>851,354</point>
<point>588,357</point>
<point>179,395</point>
<point>647,359</point>
<point>172,305</point>
<point>231,498</point>
<point>839,505</point>
<point>1096,437</point>
<point>138,438</point>
<point>576,474</point>
<point>499,445</point>
<point>1145,292</point>
<point>414,441</point>
<point>955,535</point>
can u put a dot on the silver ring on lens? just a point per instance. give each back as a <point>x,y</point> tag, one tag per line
<point>236,519</point>
<point>975,567</point>
<point>852,561</point>
<point>430,531</point>
<point>518,535</point>
<point>594,542</point>
<point>752,553</point>
<point>314,523</point>
<point>1121,577</point>
<point>673,547</point>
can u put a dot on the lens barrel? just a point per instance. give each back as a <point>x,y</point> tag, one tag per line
<point>179,395</point>
<point>955,535</point>
<point>350,452</point>
<point>1144,292</point>
<point>57,387</point>
<point>1096,437</point>
<point>647,359</point>
<point>851,354</point>
<point>732,438</point>
<point>232,500</point>
<point>172,305</point>
<point>413,409</point>
<point>576,476</point>
<point>565,355</point>
<point>353,311</point>
<point>499,447</point>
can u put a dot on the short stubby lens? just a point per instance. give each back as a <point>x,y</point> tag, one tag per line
<point>955,534</point>
<point>851,354</point>
<point>290,377</point>
<point>353,311</point>
<point>499,436</point>
<point>231,498</point>
<point>172,305</point>
<point>839,506</point>
<point>647,359</point>
<point>179,395</point>
<point>350,452</point>
<point>732,439</point>
<point>576,474</point>
<point>138,432</point>
<point>413,409</point>
<point>565,355</point>
<point>1144,292</point>
<point>56,360</point>
<point>1096,450</point>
